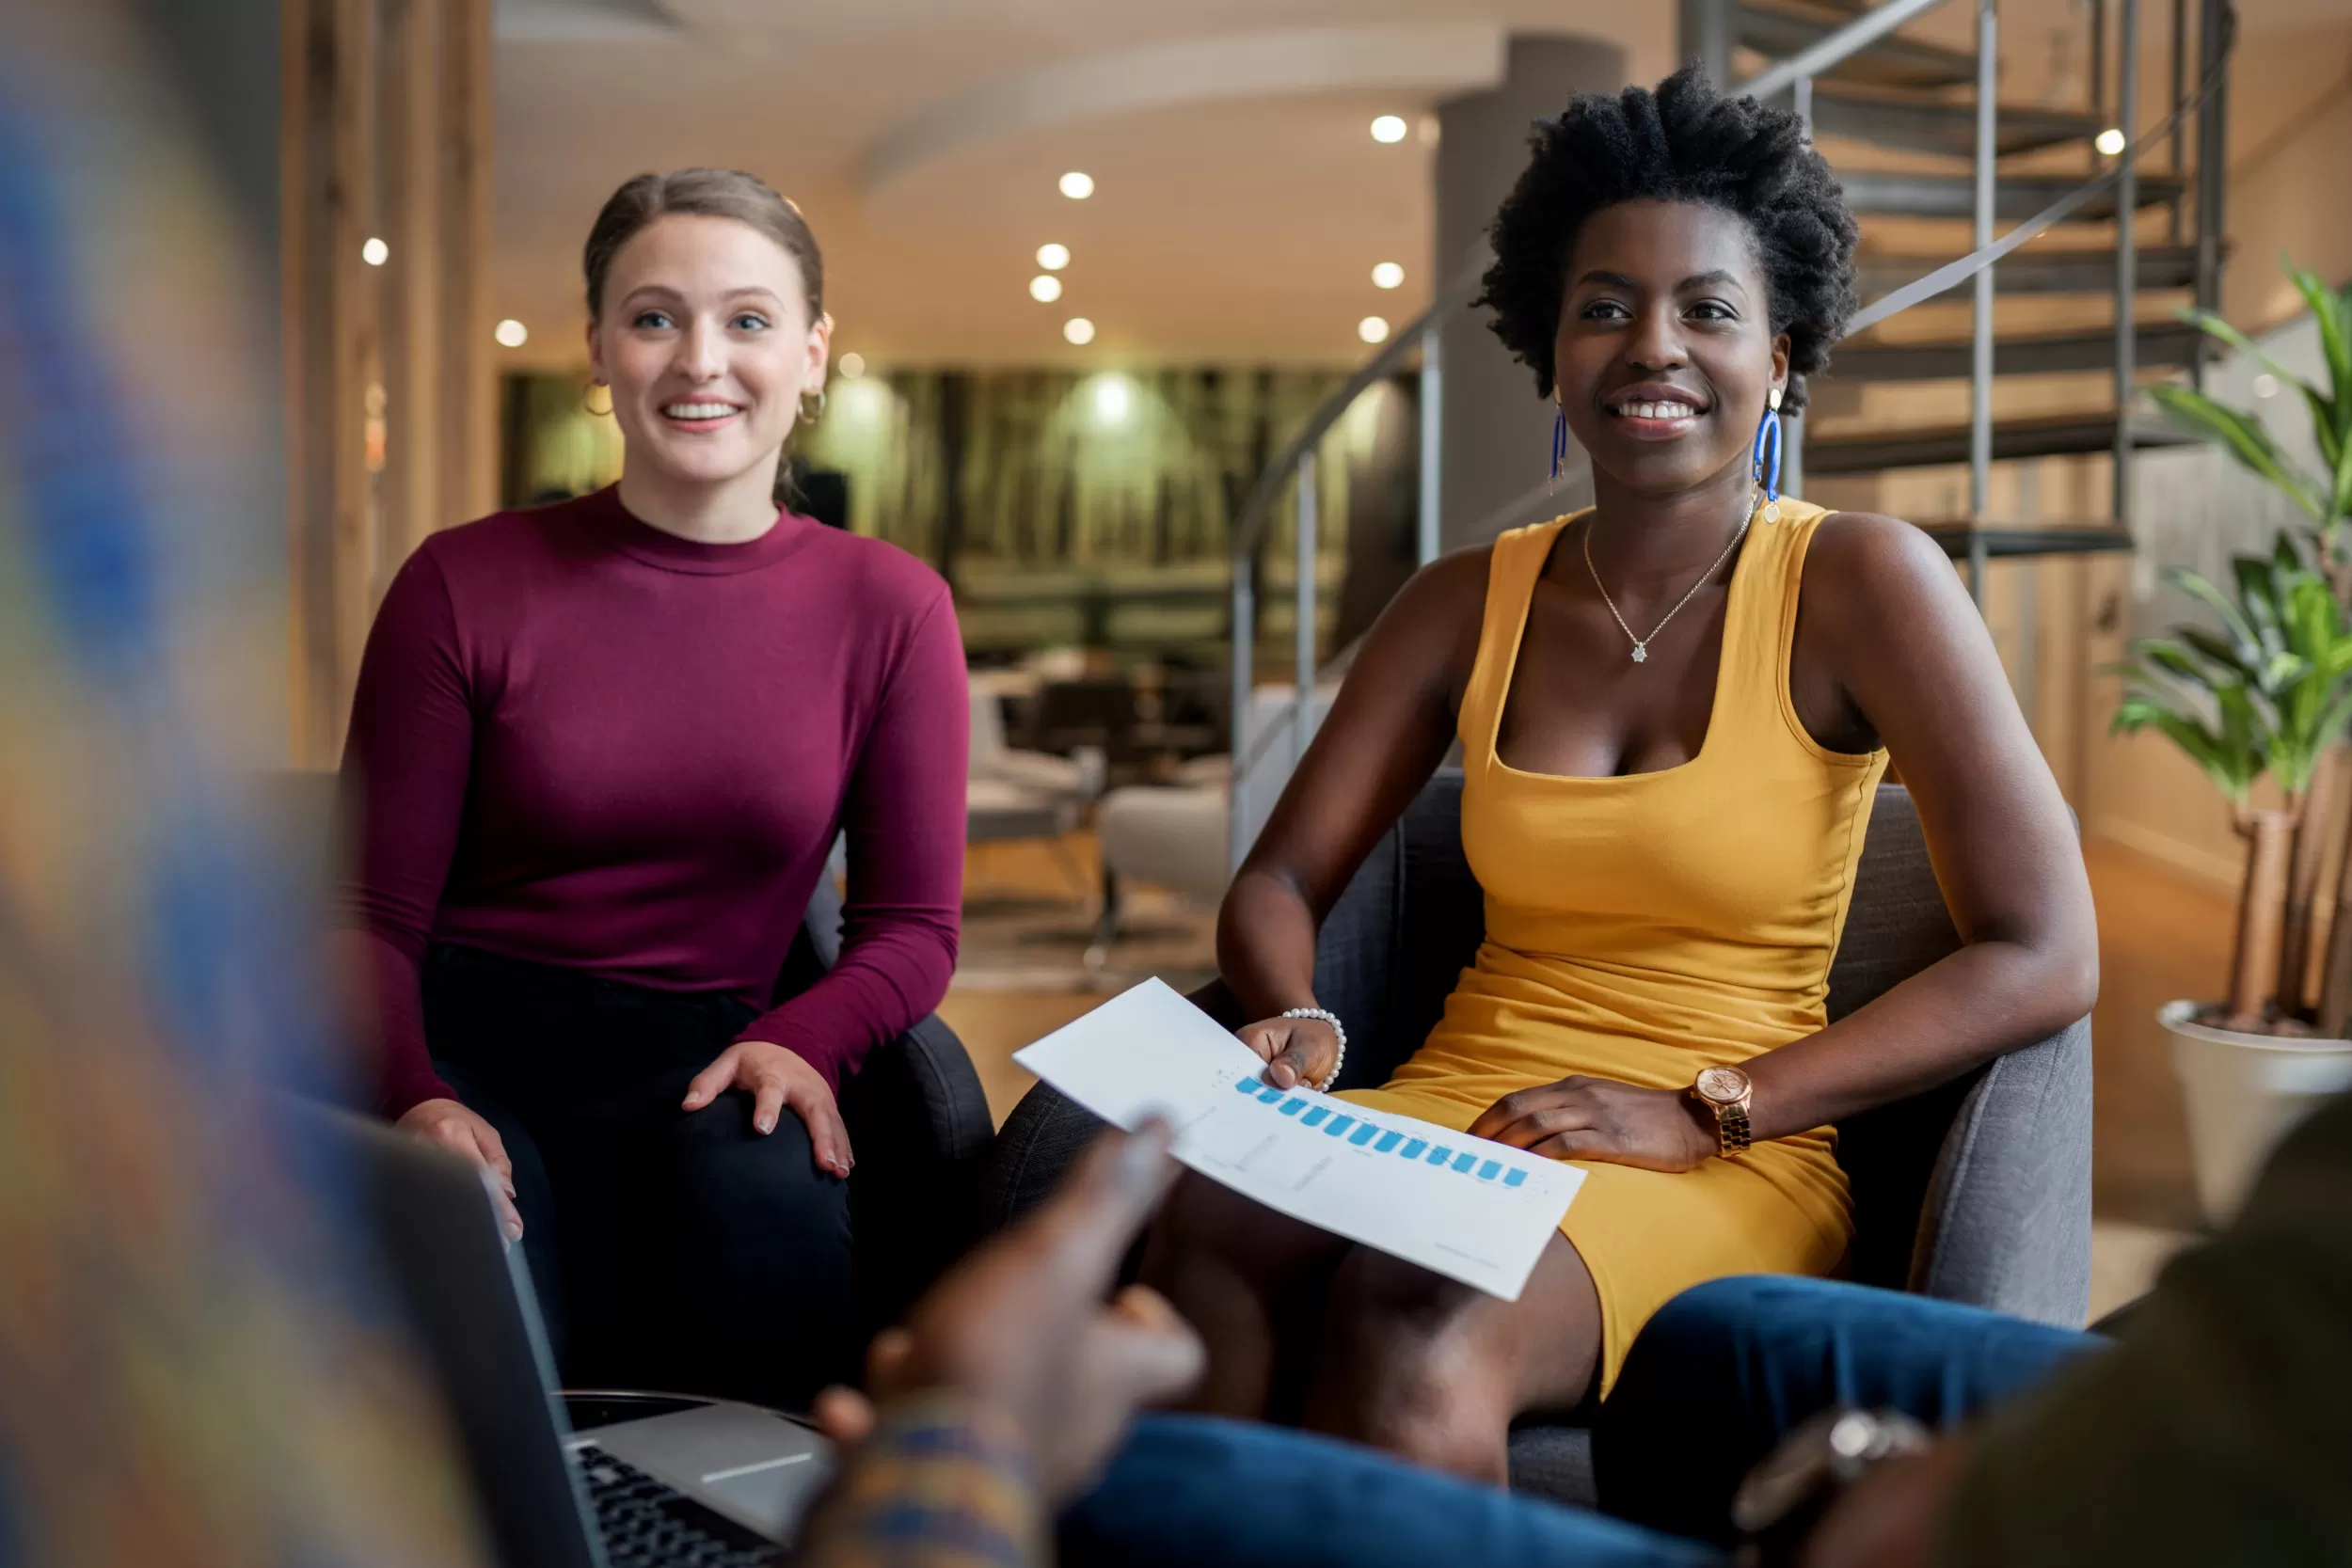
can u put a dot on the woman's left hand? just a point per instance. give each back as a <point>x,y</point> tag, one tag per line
<point>778,1079</point>
<point>1596,1118</point>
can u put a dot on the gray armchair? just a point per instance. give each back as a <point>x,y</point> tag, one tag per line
<point>1976,1192</point>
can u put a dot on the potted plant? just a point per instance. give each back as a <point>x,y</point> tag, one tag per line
<point>2268,694</point>
<point>2325,497</point>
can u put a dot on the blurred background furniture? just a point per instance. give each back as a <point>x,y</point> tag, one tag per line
<point>1174,835</point>
<point>1976,1191</point>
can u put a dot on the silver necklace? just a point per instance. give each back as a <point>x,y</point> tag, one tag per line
<point>1640,645</point>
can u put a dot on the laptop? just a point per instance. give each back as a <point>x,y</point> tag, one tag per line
<point>583,1480</point>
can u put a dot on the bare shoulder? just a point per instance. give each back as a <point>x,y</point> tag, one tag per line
<point>1869,547</point>
<point>1870,572</point>
<point>1427,636</point>
<point>1443,595</point>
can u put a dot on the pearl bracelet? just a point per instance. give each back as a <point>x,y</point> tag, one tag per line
<point>1338,1028</point>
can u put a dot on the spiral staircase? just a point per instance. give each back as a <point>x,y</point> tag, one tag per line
<point>2007,214</point>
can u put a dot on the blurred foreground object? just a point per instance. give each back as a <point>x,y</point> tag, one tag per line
<point>190,1371</point>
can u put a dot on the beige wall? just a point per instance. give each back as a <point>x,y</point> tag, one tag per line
<point>2290,138</point>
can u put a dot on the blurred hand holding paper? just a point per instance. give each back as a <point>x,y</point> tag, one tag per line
<point>1469,1209</point>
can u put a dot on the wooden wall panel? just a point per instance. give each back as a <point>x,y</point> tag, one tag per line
<point>390,428</point>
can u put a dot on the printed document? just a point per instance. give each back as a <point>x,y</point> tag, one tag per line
<point>1469,1209</point>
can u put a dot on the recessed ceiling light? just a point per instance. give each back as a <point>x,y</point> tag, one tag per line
<point>851,366</point>
<point>1388,275</point>
<point>375,252</point>
<point>1053,257</point>
<point>2110,141</point>
<point>2265,386</point>
<point>1079,330</point>
<point>511,333</point>
<point>1114,400</point>
<point>1077,186</point>
<point>1373,329</point>
<point>1045,288</point>
<point>1389,128</point>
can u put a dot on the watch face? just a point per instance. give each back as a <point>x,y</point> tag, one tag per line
<point>1722,1085</point>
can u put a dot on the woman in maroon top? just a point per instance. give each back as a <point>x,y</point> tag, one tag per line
<point>600,752</point>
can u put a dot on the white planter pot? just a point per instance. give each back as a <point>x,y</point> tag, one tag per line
<point>2243,1093</point>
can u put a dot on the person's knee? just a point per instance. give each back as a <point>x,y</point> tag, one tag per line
<point>729,1173</point>
<point>1409,1370</point>
<point>1201,1218</point>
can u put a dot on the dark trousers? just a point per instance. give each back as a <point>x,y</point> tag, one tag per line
<point>1715,1380</point>
<point>679,1251</point>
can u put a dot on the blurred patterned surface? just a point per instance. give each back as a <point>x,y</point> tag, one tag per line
<point>190,1369</point>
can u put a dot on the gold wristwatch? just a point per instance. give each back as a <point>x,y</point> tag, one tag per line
<point>1726,1092</point>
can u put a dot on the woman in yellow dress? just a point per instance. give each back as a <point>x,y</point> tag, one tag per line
<point>1673,708</point>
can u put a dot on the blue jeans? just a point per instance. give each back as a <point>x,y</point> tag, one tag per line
<point>1714,1381</point>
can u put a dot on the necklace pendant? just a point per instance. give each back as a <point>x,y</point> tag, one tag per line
<point>1641,653</point>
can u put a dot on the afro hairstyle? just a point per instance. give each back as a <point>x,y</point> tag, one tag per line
<point>1684,142</point>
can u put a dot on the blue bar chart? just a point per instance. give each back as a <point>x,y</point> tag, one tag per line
<point>1358,1132</point>
<point>1475,1210</point>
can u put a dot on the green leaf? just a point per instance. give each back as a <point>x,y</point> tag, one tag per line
<point>2331,311</point>
<point>2224,764</point>
<point>2173,660</point>
<point>2249,645</point>
<point>2213,326</point>
<point>2247,440</point>
<point>2206,646</point>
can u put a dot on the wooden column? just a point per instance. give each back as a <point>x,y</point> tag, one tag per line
<point>390,424</point>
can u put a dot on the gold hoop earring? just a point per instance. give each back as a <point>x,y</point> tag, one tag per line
<point>585,395</point>
<point>807,418</point>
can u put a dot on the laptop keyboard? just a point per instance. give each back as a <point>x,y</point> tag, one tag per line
<point>649,1524</point>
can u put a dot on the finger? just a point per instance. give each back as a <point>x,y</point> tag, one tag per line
<point>1146,1365</point>
<point>509,1217</point>
<point>1581,1144</point>
<point>1297,1063</point>
<point>493,1155</point>
<point>886,1360</point>
<point>768,1094</point>
<point>713,1080</point>
<point>1266,1041</point>
<point>1145,1307</point>
<point>828,1139</point>
<point>845,1416</point>
<point>1518,1107</point>
<point>1085,1228</point>
<point>1548,1122</point>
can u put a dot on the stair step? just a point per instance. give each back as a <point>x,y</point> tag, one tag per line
<point>2036,271</point>
<point>2004,541</point>
<point>2015,198</point>
<point>1885,118</point>
<point>1785,27</point>
<point>2161,344</point>
<point>2045,435</point>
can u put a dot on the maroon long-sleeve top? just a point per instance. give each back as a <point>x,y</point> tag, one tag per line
<point>579,740</point>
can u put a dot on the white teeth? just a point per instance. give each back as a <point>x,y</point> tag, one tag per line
<point>698,410</point>
<point>1656,410</point>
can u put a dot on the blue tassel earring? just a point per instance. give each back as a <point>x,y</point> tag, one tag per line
<point>1764,457</point>
<point>1559,444</point>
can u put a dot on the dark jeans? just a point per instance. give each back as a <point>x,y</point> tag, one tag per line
<point>1714,1381</point>
<point>674,1252</point>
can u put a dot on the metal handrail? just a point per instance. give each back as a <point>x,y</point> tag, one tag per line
<point>1794,75</point>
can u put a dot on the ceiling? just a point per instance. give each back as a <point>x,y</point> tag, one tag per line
<point>1240,201</point>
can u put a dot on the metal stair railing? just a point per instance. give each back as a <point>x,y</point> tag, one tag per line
<point>1794,76</point>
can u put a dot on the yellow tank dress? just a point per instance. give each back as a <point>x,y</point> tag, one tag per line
<point>1641,927</point>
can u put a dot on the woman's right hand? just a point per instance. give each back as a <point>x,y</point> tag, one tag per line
<point>451,1125</point>
<point>1294,1049</point>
